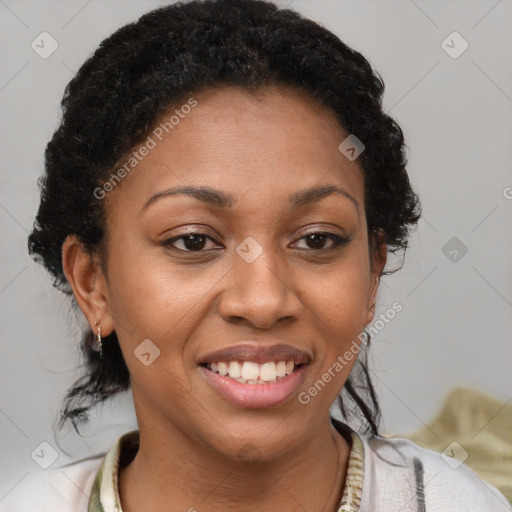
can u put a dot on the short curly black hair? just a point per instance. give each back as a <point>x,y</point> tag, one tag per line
<point>141,71</point>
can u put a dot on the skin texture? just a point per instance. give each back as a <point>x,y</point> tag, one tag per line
<point>260,148</point>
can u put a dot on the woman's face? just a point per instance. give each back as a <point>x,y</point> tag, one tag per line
<point>253,286</point>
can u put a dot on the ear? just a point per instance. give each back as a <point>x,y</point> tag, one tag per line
<point>85,275</point>
<point>379,254</point>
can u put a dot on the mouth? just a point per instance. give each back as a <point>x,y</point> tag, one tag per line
<point>252,376</point>
<point>253,373</point>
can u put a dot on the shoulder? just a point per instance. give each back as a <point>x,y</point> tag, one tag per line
<point>398,474</point>
<point>58,489</point>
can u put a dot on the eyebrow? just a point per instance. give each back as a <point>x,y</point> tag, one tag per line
<point>220,199</point>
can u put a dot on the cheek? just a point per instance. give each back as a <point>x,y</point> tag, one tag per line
<point>149,294</point>
<point>338,300</point>
<point>339,293</point>
<point>153,298</point>
<point>155,307</point>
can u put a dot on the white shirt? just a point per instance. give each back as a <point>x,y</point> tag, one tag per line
<point>384,475</point>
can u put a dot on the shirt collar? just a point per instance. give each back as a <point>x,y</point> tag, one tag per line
<point>105,490</point>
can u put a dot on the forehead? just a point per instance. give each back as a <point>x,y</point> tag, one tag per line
<point>257,146</point>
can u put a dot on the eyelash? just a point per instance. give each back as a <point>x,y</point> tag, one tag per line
<point>337,241</point>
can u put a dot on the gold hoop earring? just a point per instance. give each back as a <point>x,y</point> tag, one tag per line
<point>372,307</point>
<point>99,338</point>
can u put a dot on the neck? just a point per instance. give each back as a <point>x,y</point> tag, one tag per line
<point>170,468</point>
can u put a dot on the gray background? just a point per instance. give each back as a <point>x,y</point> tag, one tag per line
<point>456,324</point>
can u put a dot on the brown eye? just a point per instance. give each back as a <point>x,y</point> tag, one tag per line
<point>190,242</point>
<point>316,241</point>
<point>194,242</point>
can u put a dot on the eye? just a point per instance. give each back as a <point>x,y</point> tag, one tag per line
<point>197,242</point>
<point>192,242</point>
<point>316,240</point>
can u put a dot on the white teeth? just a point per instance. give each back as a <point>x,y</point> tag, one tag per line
<point>281,369</point>
<point>223,368</point>
<point>235,369</point>
<point>268,371</point>
<point>249,372</point>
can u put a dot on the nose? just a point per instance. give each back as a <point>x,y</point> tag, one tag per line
<point>261,293</point>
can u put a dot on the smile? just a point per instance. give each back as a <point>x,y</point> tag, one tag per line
<point>250,372</point>
<point>256,393</point>
<point>252,375</point>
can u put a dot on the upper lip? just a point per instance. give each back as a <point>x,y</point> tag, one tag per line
<point>257,353</point>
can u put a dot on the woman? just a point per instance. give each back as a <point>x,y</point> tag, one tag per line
<point>220,199</point>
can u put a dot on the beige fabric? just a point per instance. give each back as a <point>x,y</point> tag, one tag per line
<point>482,426</point>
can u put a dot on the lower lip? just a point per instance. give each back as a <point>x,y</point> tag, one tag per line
<point>254,396</point>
